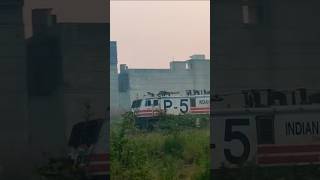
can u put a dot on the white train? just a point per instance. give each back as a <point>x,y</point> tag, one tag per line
<point>151,107</point>
<point>147,110</point>
<point>88,145</point>
<point>271,135</point>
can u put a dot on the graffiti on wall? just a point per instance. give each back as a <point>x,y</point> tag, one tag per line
<point>189,92</point>
<point>195,92</point>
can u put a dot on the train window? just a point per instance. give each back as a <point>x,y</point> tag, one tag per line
<point>193,102</point>
<point>265,129</point>
<point>314,98</point>
<point>148,103</point>
<point>85,133</point>
<point>136,103</point>
<point>155,102</point>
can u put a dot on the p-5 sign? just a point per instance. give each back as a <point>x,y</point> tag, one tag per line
<point>233,141</point>
<point>266,137</point>
<point>176,106</point>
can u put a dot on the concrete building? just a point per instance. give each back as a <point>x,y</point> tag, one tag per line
<point>47,81</point>
<point>67,70</point>
<point>114,89</point>
<point>184,77</point>
<point>264,44</point>
<point>13,92</point>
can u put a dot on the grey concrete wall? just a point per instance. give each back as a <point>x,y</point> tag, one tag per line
<point>42,96</point>
<point>46,125</point>
<point>280,52</point>
<point>13,93</point>
<point>115,111</point>
<point>114,92</point>
<point>79,77</point>
<point>124,102</point>
<point>47,132</point>
<point>176,79</point>
<point>85,70</point>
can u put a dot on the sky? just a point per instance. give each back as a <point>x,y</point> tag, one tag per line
<point>150,34</point>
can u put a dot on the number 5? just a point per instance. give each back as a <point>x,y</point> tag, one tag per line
<point>232,135</point>
<point>183,103</point>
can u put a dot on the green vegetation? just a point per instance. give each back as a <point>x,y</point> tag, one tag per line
<point>174,148</point>
<point>61,169</point>
<point>177,147</point>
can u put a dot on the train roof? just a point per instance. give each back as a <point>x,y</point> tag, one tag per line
<point>162,97</point>
<point>272,109</point>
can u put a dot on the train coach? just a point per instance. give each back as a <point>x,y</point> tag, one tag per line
<point>275,135</point>
<point>147,110</point>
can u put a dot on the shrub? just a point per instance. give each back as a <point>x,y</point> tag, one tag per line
<point>173,146</point>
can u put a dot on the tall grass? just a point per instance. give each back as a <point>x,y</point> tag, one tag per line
<point>176,149</point>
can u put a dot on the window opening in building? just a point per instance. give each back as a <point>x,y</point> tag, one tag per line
<point>251,12</point>
<point>245,14</point>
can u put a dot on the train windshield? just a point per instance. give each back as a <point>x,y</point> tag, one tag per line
<point>85,133</point>
<point>136,103</point>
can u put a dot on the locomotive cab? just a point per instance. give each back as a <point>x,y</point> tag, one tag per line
<point>148,110</point>
<point>136,104</point>
<point>272,131</point>
<point>88,145</point>
<point>151,107</point>
<point>148,107</point>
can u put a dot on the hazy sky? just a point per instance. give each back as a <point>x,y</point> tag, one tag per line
<point>151,33</point>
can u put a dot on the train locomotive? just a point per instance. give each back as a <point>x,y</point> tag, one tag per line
<point>285,130</point>
<point>147,110</point>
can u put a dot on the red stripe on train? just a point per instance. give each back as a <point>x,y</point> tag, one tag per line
<point>276,149</point>
<point>288,159</point>
<point>144,113</point>
<point>199,111</point>
<point>200,108</point>
<point>146,110</point>
<point>99,157</point>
